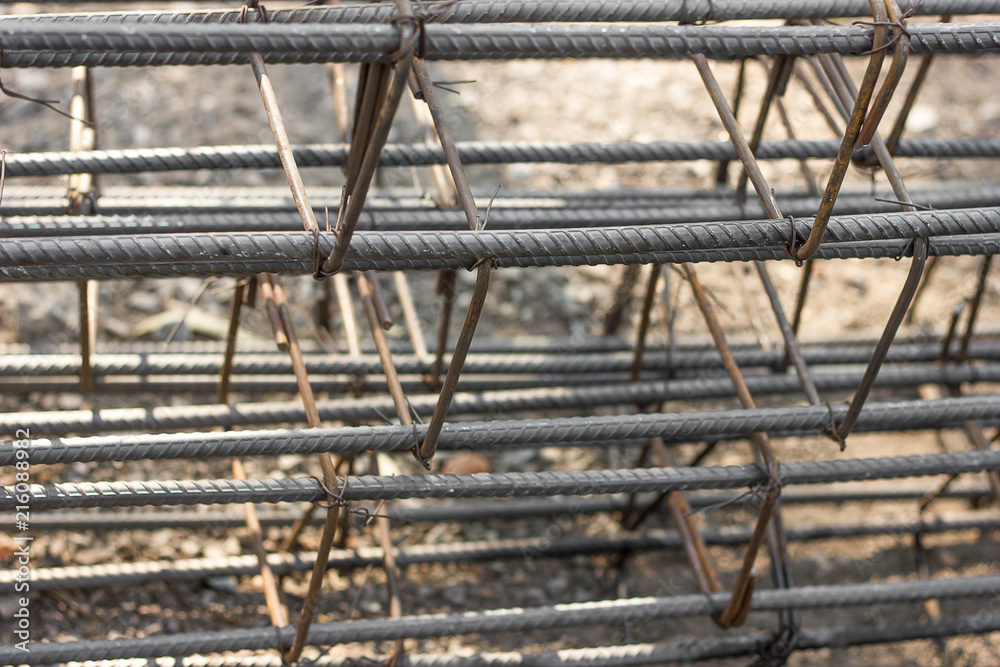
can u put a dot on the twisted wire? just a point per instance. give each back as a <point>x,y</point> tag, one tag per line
<point>493,485</point>
<point>512,620</point>
<point>535,11</point>
<point>40,364</point>
<point>131,574</point>
<point>869,235</point>
<point>110,44</point>
<point>508,433</point>
<point>132,161</point>
<point>372,408</point>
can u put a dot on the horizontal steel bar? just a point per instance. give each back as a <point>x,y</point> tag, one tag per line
<point>385,212</point>
<point>566,361</point>
<point>747,346</point>
<point>211,492</point>
<point>160,419</point>
<point>899,415</point>
<point>537,11</point>
<point>138,573</point>
<point>620,213</point>
<point>265,156</point>
<point>875,235</point>
<point>506,620</point>
<point>102,520</point>
<point>69,44</point>
<point>631,655</point>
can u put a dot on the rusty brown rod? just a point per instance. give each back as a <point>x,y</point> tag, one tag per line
<point>81,187</point>
<point>974,304</point>
<point>410,316</point>
<point>445,289</point>
<point>326,463</point>
<point>900,55</point>
<point>777,82</point>
<point>272,596</point>
<point>366,293</point>
<point>235,309</point>
<point>373,148</point>
<point>283,145</point>
<point>879,41</point>
<point>739,603</point>
<point>722,171</point>
<point>920,249</point>
<point>766,196</point>
<point>639,350</point>
<point>273,317</point>
<point>450,386</point>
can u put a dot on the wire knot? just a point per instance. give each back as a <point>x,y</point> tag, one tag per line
<point>793,245</point>
<point>413,40</point>
<point>832,431</point>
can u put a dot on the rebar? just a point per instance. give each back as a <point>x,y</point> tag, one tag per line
<point>142,160</point>
<point>568,615</point>
<point>517,11</point>
<point>487,485</point>
<point>648,392</point>
<point>508,433</point>
<point>146,44</point>
<point>131,574</point>
<point>963,231</point>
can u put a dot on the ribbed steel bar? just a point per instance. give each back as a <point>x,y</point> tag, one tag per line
<point>908,415</point>
<point>821,348</point>
<point>632,655</point>
<point>153,363</point>
<point>62,45</point>
<point>532,11</point>
<point>205,416</point>
<point>507,620</point>
<point>957,231</point>
<point>541,217</point>
<point>213,207</point>
<point>493,485</point>
<point>141,160</point>
<point>103,520</point>
<point>131,574</point>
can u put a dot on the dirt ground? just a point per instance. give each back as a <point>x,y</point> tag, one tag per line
<point>572,100</point>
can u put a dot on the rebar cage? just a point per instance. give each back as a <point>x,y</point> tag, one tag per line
<point>631,475</point>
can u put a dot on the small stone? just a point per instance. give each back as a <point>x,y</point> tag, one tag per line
<point>557,585</point>
<point>466,463</point>
<point>456,594</point>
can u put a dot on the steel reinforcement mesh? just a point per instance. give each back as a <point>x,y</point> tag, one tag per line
<point>455,471</point>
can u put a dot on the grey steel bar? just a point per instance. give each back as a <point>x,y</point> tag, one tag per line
<point>131,574</point>
<point>512,620</point>
<point>877,235</point>
<point>537,11</point>
<point>102,520</point>
<point>941,413</point>
<point>62,45</point>
<point>39,364</point>
<point>492,485</point>
<point>139,160</point>
<point>634,655</point>
<point>563,398</point>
